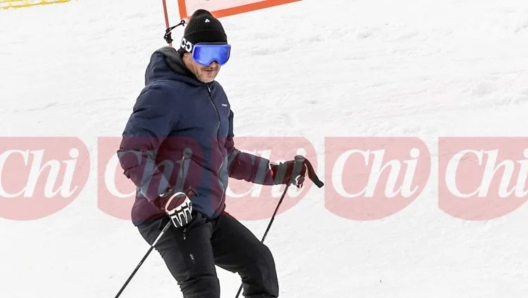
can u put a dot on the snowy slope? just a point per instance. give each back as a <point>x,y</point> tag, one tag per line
<point>314,69</point>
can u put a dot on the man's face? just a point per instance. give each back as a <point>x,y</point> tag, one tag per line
<point>205,74</point>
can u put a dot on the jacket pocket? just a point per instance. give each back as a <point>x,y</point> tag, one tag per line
<point>189,175</point>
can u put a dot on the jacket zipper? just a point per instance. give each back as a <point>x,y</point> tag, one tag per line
<point>216,110</point>
<point>217,129</point>
<point>217,114</point>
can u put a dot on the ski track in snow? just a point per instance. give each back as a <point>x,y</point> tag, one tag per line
<point>314,69</point>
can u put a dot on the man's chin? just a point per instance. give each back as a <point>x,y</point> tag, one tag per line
<point>207,78</point>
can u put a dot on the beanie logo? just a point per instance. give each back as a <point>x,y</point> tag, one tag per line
<point>207,21</point>
<point>188,46</point>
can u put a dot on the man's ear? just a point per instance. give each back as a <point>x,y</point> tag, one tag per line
<point>185,57</point>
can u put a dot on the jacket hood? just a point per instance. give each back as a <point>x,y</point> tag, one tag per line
<point>167,64</point>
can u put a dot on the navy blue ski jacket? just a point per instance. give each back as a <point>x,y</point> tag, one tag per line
<point>175,112</point>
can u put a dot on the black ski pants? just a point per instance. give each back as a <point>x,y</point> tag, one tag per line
<point>192,253</point>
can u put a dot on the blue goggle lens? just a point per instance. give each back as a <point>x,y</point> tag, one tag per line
<point>205,54</point>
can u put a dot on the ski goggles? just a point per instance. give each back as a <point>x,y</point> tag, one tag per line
<point>204,54</point>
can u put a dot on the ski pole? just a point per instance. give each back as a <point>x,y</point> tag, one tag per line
<point>269,226</point>
<point>186,155</point>
<point>144,258</point>
<point>297,166</point>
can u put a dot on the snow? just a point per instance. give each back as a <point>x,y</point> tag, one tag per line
<point>314,69</point>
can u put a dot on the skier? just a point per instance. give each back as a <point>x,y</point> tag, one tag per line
<point>178,149</point>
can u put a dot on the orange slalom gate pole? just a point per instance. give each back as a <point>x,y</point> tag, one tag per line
<point>167,24</point>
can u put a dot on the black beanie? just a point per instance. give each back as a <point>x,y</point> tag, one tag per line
<point>202,27</point>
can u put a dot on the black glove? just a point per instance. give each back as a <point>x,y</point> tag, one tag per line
<point>292,171</point>
<point>177,205</point>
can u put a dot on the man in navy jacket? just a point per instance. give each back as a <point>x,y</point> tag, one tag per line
<point>178,149</point>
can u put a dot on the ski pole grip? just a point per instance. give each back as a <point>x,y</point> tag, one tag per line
<point>297,168</point>
<point>311,172</point>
